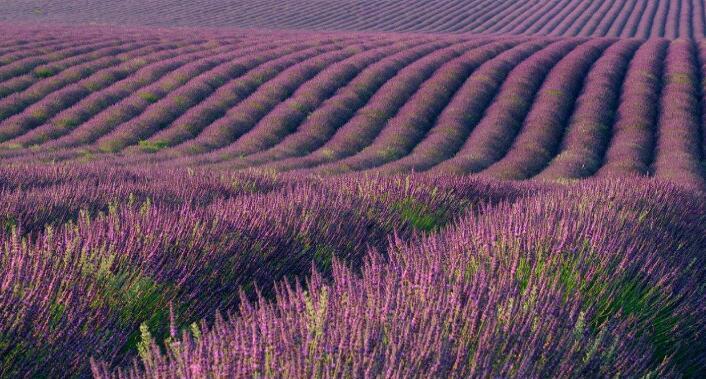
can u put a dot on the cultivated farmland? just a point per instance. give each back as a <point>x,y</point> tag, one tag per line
<point>352,189</point>
<point>607,18</point>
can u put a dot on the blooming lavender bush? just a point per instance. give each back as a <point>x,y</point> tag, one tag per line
<point>597,279</point>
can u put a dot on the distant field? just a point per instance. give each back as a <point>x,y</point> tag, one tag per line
<point>613,18</point>
<point>506,107</point>
<point>352,189</point>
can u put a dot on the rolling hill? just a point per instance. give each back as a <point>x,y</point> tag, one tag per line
<point>352,188</point>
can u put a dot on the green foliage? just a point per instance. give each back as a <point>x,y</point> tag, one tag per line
<point>298,107</point>
<point>420,216</point>
<point>195,330</point>
<point>146,341</point>
<point>680,78</point>
<point>109,147</point>
<point>56,313</point>
<point>86,155</point>
<point>628,297</point>
<point>152,147</point>
<point>316,320</point>
<point>389,153</point>
<point>133,298</point>
<point>8,223</point>
<point>523,273</point>
<point>323,257</point>
<point>11,146</point>
<point>554,92</point>
<point>148,97</point>
<point>44,72</point>
<point>327,153</point>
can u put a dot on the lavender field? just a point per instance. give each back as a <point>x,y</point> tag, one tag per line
<point>353,189</point>
<point>608,18</point>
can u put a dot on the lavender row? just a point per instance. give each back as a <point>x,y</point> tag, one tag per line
<point>240,119</point>
<point>168,109</point>
<point>630,150</point>
<point>268,130</point>
<point>149,69</point>
<point>543,128</point>
<point>132,106</point>
<point>678,152</point>
<point>283,118</point>
<point>28,109</point>
<point>589,130</point>
<point>624,18</point>
<point>361,129</point>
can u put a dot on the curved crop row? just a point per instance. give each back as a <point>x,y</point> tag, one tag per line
<point>51,68</point>
<point>262,90</point>
<point>136,104</point>
<point>30,108</point>
<point>464,111</point>
<point>678,151</point>
<point>169,108</point>
<point>394,92</point>
<point>630,150</point>
<point>285,116</point>
<point>49,55</point>
<point>149,69</point>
